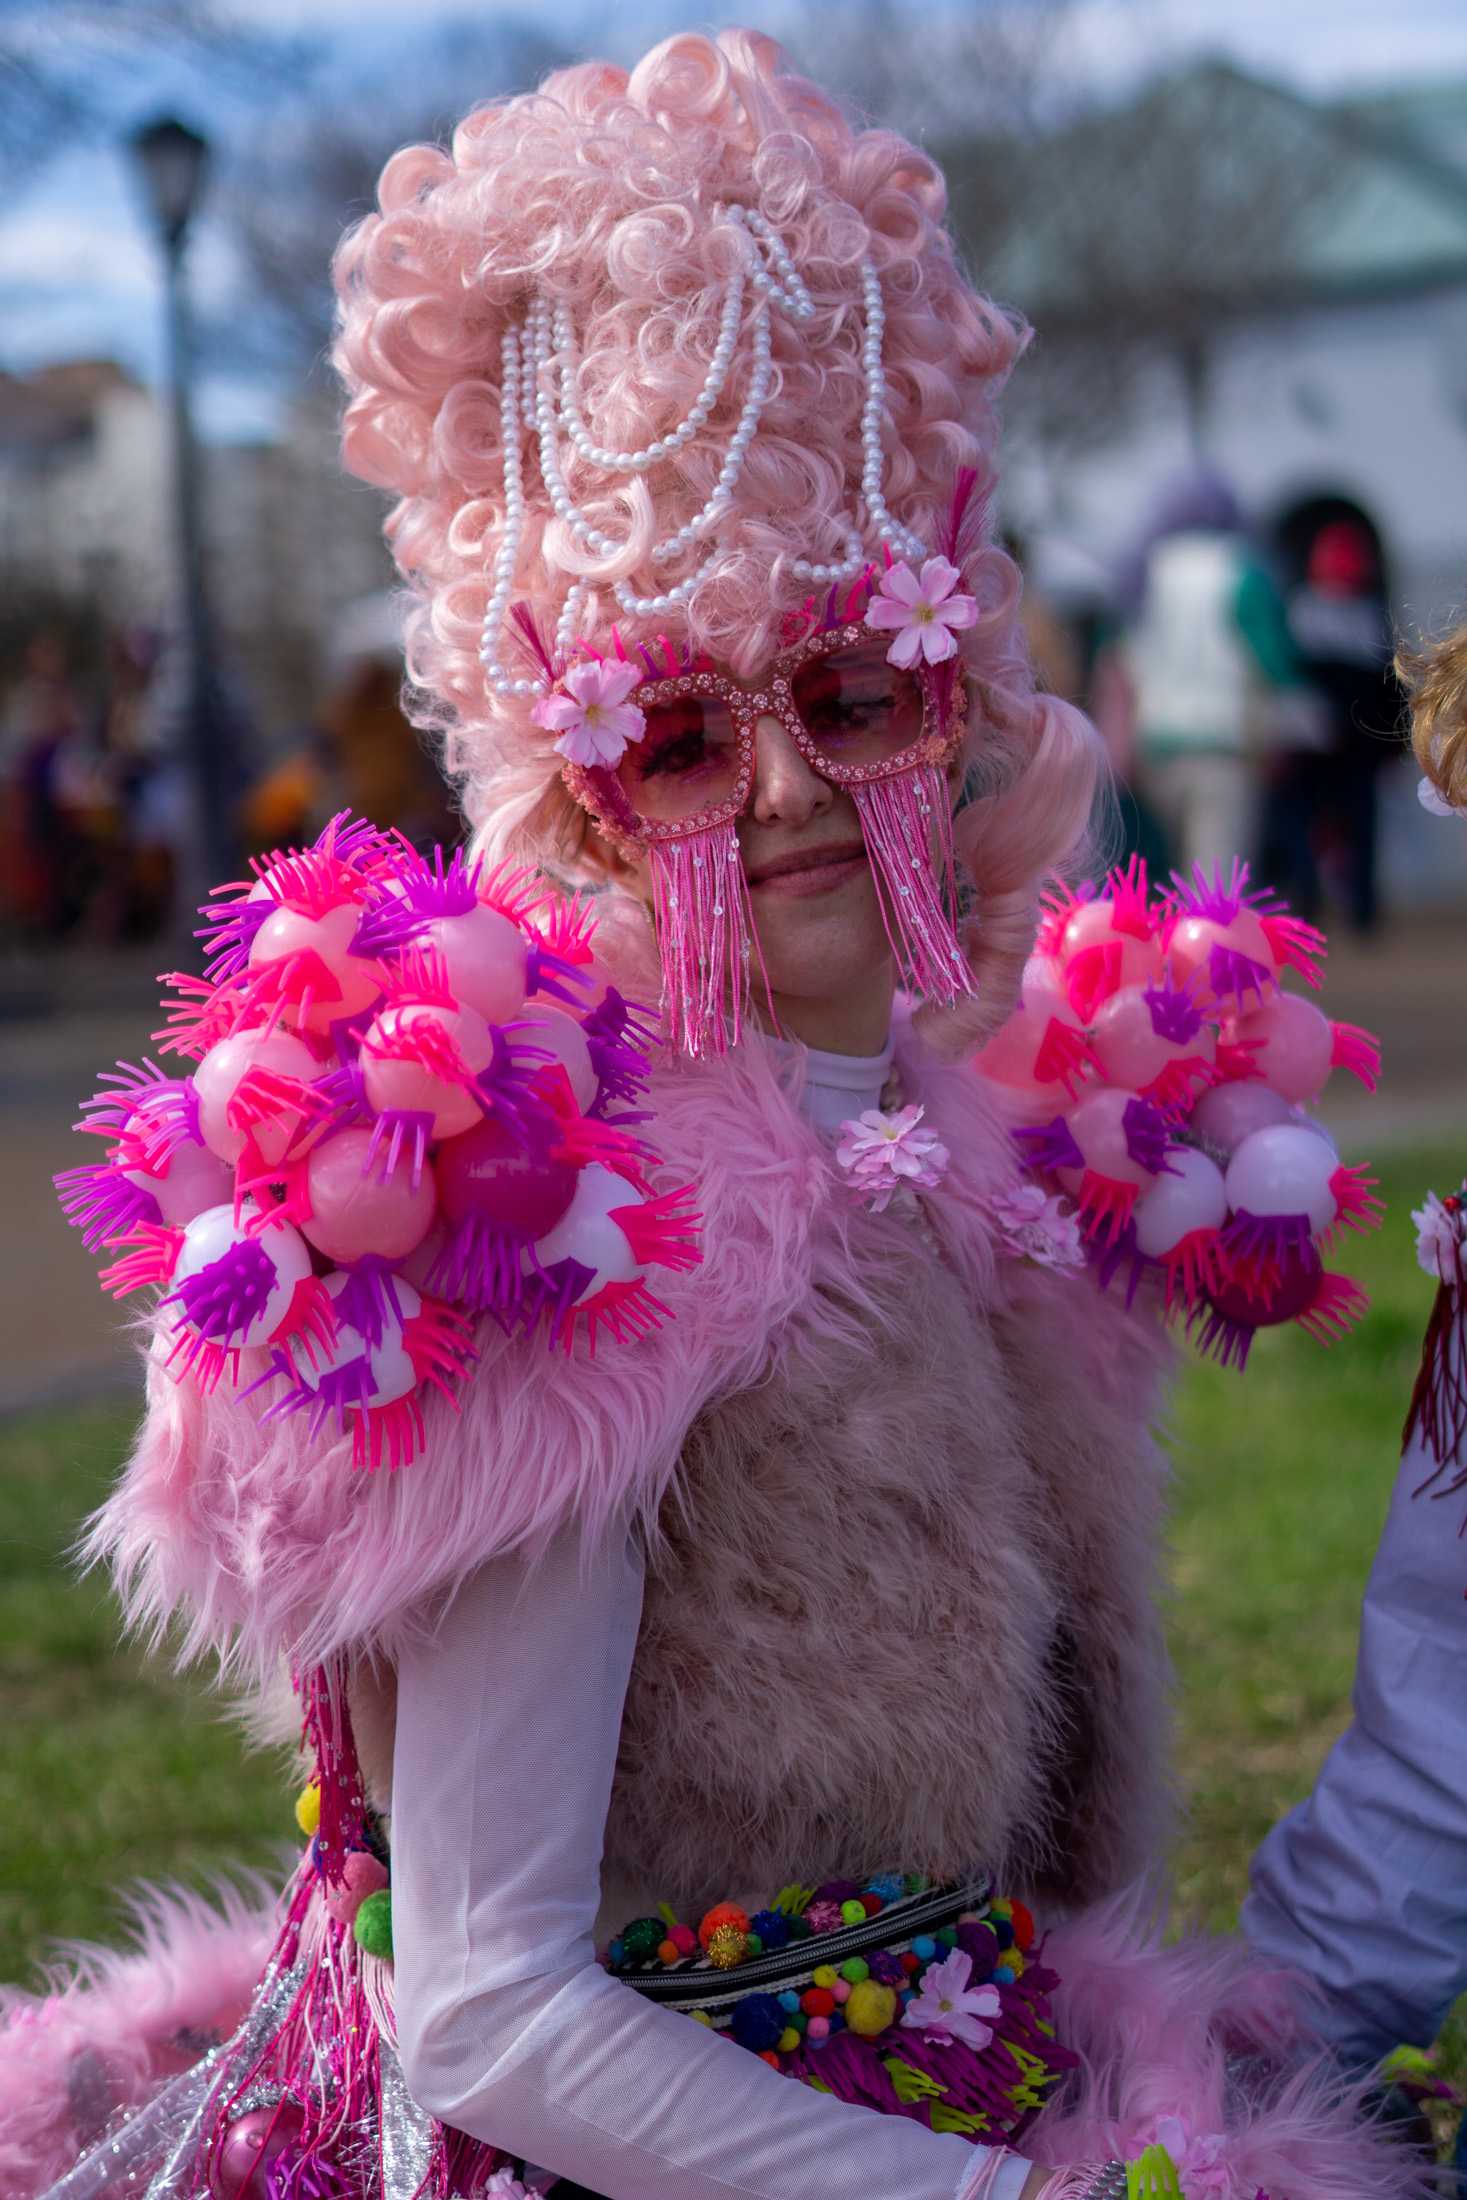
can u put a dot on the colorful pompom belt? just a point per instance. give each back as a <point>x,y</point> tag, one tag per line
<point>924,2001</point>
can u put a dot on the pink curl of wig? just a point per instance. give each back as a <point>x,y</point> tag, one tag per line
<point>601,188</point>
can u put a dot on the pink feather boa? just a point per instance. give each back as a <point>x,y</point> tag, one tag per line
<point>117,2024</point>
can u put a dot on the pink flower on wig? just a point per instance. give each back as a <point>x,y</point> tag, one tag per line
<point>1040,1226</point>
<point>925,610</point>
<point>881,1152</point>
<point>591,714</point>
<point>947,2008</point>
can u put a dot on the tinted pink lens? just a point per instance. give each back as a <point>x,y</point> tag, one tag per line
<point>686,761</point>
<point>857,708</point>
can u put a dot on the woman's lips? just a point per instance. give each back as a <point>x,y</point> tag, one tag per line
<point>809,871</point>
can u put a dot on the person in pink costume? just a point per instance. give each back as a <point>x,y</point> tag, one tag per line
<point>838,1595</point>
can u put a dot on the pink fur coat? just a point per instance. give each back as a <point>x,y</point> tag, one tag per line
<point>902,1504</point>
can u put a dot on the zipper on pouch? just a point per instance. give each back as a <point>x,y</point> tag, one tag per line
<point>694,1986</point>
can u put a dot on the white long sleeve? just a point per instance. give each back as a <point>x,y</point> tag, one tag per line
<point>507,1729</point>
<point>1364,1886</point>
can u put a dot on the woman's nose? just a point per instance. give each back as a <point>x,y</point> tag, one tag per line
<point>786,790</point>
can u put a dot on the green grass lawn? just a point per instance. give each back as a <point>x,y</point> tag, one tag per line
<point>113,1768</point>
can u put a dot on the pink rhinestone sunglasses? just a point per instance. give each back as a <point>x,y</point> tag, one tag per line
<point>854,716</point>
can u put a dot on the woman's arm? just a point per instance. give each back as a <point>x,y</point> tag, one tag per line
<point>507,1729</point>
<point>1364,1886</point>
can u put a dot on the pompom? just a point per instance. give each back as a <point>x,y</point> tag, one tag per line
<point>372,1926</point>
<point>871,2008</point>
<point>773,1928</point>
<point>721,1914</point>
<point>757,2022</point>
<point>641,1939</point>
<point>308,1809</point>
<point>727,1947</point>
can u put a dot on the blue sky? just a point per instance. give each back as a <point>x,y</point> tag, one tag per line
<point>77,270</point>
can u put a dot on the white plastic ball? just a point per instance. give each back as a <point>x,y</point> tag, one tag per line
<point>392,1370</point>
<point>1284,1170</point>
<point>586,1232</point>
<point>211,1235</point>
<point>1194,1199</point>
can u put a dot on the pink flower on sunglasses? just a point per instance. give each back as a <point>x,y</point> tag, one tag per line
<point>591,713</point>
<point>923,609</point>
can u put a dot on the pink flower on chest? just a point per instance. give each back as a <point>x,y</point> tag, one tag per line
<point>880,1152</point>
<point>1039,1226</point>
<point>948,2008</point>
<point>926,609</point>
<point>592,715</point>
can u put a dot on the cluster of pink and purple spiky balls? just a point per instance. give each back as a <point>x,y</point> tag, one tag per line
<point>1166,1074</point>
<point>410,1104</point>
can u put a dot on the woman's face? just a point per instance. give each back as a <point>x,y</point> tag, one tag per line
<point>810,884</point>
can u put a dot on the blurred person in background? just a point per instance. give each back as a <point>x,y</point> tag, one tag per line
<point>360,753</point>
<point>41,716</point>
<point>1212,674</point>
<point>1339,625</point>
<point>135,883</point>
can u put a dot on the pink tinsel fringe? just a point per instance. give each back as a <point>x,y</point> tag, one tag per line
<point>901,818</point>
<point>705,933</point>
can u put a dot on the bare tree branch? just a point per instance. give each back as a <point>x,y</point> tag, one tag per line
<point>66,66</point>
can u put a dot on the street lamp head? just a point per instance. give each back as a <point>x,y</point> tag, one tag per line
<point>172,159</point>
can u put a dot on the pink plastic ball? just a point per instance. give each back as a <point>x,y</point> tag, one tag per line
<point>218,1077</point>
<point>193,1179</point>
<point>1191,941</point>
<point>348,983</point>
<point>561,1036</point>
<point>485,956</point>
<point>1012,1054</point>
<point>361,1875</point>
<point>1097,1125</point>
<point>1284,1170</point>
<point>393,1082</point>
<point>418,1265</point>
<point>1093,925</point>
<point>1131,1050</point>
<point>1175,1206</point>
<point>238,2170</point>
<point>1293,1042</point>
<point>1230,1113</point>
<point>486,1175</point>
<point>353,1211</point>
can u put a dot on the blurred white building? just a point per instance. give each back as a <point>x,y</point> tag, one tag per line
<point>1344,395</point>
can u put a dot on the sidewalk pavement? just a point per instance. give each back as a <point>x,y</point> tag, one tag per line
<point>62,1341</point>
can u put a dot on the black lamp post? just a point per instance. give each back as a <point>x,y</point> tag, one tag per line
<point>172,160</point>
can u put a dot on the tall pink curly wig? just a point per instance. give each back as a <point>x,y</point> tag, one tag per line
<point>602,189</point>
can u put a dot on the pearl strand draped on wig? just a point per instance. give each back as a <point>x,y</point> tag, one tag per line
<point>538,393</point>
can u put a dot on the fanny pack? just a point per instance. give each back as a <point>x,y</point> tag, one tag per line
<point>911,1998</point>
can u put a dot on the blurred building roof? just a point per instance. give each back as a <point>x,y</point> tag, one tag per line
<point>56,406</point>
